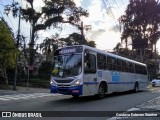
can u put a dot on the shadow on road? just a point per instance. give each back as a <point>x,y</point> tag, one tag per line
<point>84,99</point>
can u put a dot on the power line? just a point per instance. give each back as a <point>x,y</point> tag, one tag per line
<point>1,14</point>
<point>7,16</point>
<point>122,2</point>
<point>108,10</point>
<point>119,8</point>
<point>111,15</point>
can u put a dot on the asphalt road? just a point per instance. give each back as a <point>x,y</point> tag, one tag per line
<point>44,101</point>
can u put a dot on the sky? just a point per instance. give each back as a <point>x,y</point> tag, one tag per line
<point>103,18</point>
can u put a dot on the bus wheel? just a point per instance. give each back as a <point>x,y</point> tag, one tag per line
<point>101,91</point>
<point>136,87</point>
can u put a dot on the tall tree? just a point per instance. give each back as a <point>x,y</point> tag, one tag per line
<point>48,47</point>
<point>75,39</point>
<point>7,49</point>
<point>141,23</point>
<point>53,13</point>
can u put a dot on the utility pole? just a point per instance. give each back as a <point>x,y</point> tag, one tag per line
<point>82,32</point>
<point>17,45</point>
<point>32,36</point>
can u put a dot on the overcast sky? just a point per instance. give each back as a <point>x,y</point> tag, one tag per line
<point>103,17</point>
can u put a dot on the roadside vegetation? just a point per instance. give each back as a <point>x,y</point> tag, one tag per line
<point>140,33</point>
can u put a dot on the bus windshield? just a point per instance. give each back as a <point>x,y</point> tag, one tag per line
<point>67,65</point>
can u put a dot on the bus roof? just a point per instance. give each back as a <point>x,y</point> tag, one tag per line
<point>109,54</point>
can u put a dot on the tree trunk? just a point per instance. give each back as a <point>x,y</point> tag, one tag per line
<point>155,48</point>
<point>4,74</point>
<point>126,43</point>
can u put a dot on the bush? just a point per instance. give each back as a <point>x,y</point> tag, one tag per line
<point>45,68</point>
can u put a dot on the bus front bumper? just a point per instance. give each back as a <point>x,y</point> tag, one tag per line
<point>77,90</point>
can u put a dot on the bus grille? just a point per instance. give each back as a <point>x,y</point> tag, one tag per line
<point>63,86</point>
<point>64,81</point>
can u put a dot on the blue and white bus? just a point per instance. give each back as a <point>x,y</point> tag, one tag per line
<point>81,70</point>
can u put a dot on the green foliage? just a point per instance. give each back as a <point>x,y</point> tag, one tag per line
<point>75,39</point>
<point>66,11</point>
<point>141,23</point>
<point>51,14</point>
<point>7,50</point>
<point>91,43</point>
<point>50,45</point>
<point>45,68</point>
<point>7,47</point>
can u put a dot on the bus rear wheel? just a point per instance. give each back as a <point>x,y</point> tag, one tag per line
<point>136,87</point>
<point>101,91</point>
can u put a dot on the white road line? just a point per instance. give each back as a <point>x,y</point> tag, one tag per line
<point>25,96</point>
<point>134,109</point>
<point>137,108</point>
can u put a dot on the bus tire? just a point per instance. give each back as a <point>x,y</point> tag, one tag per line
<point>101,91</point>
<point>136,87</point>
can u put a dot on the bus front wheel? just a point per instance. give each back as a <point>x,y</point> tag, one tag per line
<point>101,91</point>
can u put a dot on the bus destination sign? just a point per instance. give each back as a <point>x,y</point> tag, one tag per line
<point>65,51</point>
<point>69,50</point>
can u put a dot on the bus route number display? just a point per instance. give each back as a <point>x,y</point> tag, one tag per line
<point>68,50</point>
<point>65,51</point>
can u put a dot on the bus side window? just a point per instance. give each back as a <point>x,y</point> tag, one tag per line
<point>123,66</point>
<point>89,63</point>
<point>101,61</point>
<point>109,63</point>
<point>119,65</point>
<point>114,63</point>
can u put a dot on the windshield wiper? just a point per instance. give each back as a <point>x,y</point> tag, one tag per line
<point>69,58</point>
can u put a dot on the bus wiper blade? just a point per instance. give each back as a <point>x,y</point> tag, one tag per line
<point>69,58</point>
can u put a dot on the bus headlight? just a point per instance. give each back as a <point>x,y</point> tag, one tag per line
<point>76,83</point>
<point>53,83</point>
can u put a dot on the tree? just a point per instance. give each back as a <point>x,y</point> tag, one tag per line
<point>75,39</point>
<point>53,13</point>
<point>45,68</point>
<point>91,43</point>
<point>141,24</point>
<point>49,46</point>
<point>7,49</point>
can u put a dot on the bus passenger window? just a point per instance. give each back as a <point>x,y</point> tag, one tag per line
<point>101,61</point>
<point>109,63</point>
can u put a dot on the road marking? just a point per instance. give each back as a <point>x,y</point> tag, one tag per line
<point>151,104</point>
<point>134,109</point>
<point>25,96</point>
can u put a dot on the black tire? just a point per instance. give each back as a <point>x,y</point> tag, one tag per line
<point>101,91</point>
<point>136,87</point>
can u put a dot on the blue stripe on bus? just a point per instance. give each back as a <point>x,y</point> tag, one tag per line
<point>124,82</point>
<point>95,83</point>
